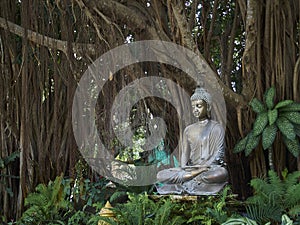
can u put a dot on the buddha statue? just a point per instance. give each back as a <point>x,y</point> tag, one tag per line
<point>202,169</point>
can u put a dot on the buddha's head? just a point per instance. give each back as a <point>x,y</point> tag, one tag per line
<point>201,103</point>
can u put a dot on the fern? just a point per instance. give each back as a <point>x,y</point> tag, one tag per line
<point>263,213</point>
<point>273,197</point>
<point>48,205</point>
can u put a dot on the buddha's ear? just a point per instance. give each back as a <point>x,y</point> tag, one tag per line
<point>209,114</point>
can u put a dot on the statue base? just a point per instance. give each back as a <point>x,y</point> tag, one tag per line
<point>190,188</point>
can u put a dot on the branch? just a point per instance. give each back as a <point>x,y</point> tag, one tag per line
<point>232,97</point>
<point>46,41</point>
<point>131,17</point>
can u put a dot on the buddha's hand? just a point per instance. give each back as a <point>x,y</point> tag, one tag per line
<point>196,170</point>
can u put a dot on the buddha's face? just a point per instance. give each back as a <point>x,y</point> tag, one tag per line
<point>200,109</point>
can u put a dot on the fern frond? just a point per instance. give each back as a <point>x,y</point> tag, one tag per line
<point>294,211</point>
<point>116,195</point>
<point>163,213</point>
<point>291,179</point>
<point>292,196</point>
<point>263,213</point>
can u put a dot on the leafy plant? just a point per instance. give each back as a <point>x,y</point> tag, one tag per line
<point>4,163</point>
<point>283,117</point>
<point>285,220</point>
<point>142,210</point>
<point>274,197</point>
<point>48,205</point>
<point>211,209</point>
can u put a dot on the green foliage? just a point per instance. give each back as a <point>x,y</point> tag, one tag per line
<point>286,128</point>
<point>48,205</point>
<point>271,118</point>
<point>252,143</point>
<point>141,209</point>
<point>292,145</point>
<point>64,201</point>
<point>257,106</point>
<point>240,221</point>
<point>269,97</point>
<point>260,123</point>
<point>269,135</point>
<point>274,197</point>
<point>285,220</point>
<point>4,163</point>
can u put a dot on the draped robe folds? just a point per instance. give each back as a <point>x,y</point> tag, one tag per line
<point>202,146</point>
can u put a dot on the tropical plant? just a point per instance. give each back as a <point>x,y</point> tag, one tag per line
<point>48,205</point>
<point>140,209</point>
<point>210,209</point>
<point>285,220</point>
<point>274,197</point>
<point>4,163</point>
<point>271,118</point>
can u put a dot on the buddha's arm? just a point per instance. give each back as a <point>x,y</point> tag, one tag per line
<point>216,143</point>
<point>185,150</point>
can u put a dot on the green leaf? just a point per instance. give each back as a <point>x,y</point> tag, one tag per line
<point>241,145</point>
<point>11,157</point>
<point>260,123</point>
<point>292,145</point>
<point>294,117</point>
<point>291,107</point>
<point>272,116</point>
<point>252,143</point>
<point>297,129</point>
<point>269,97</point>
<point>268,136</point>
<point>283,103</point>
<point>257,105</point>
<point>286,128</point>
